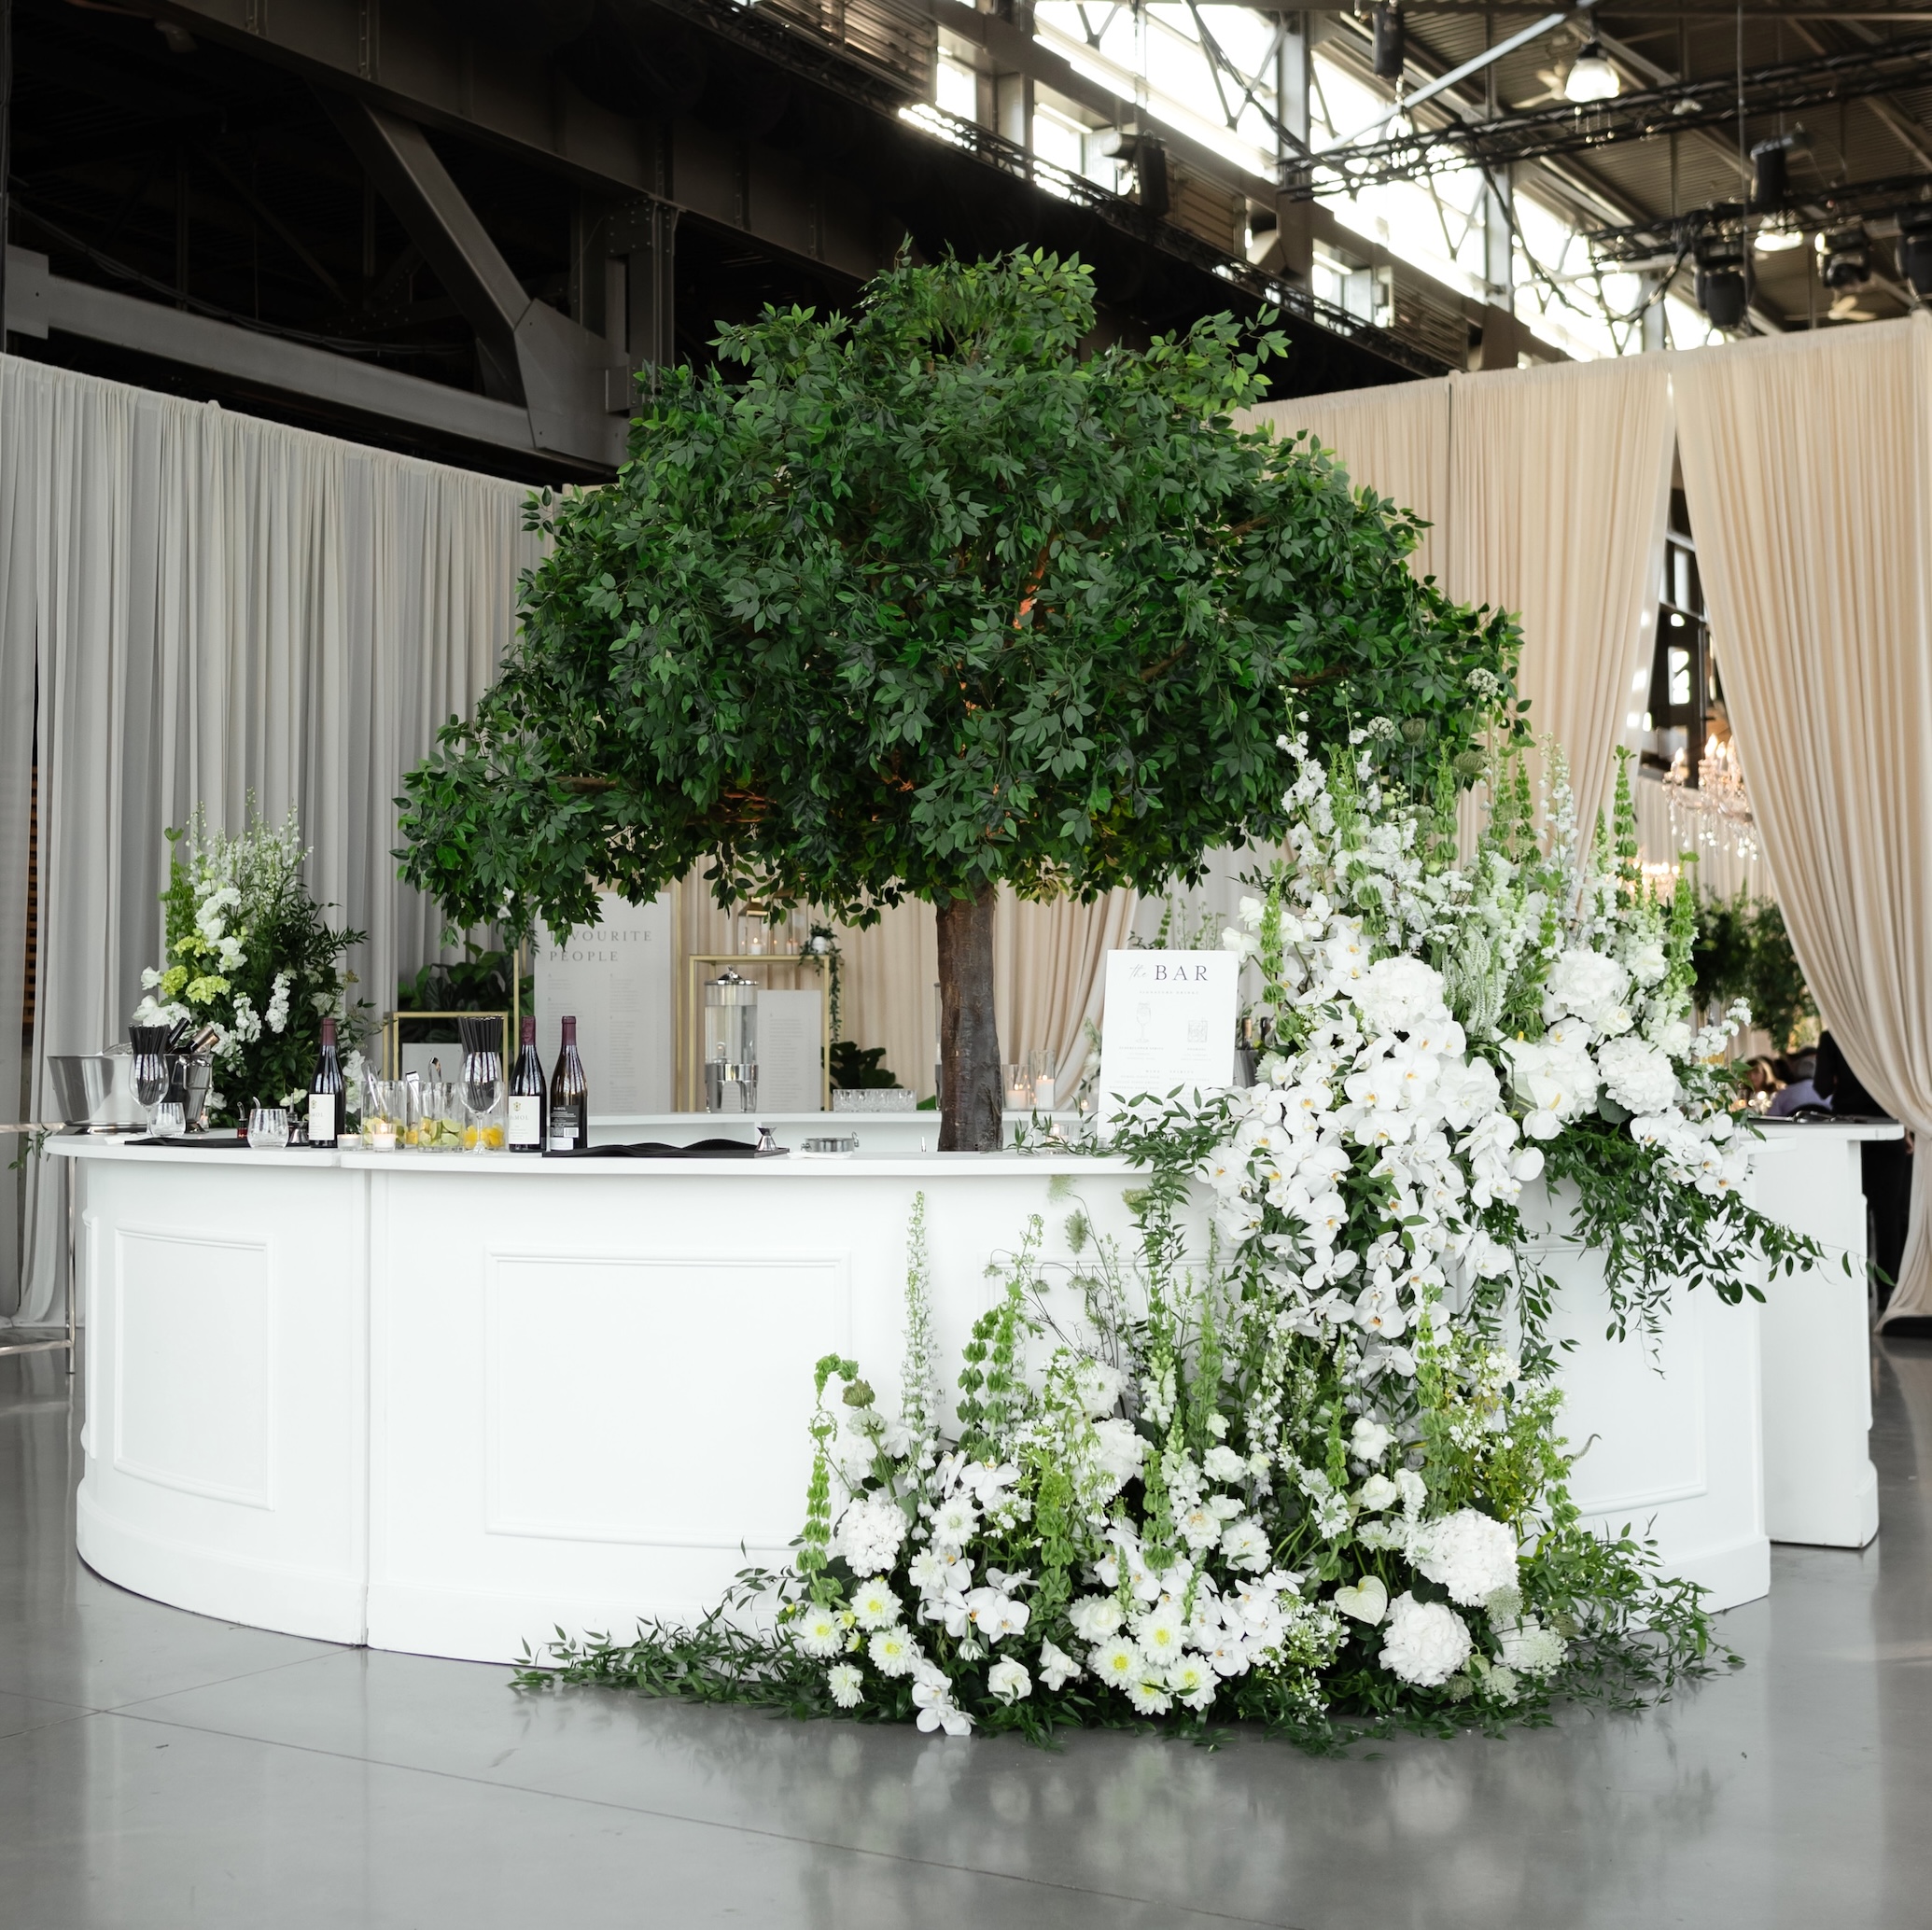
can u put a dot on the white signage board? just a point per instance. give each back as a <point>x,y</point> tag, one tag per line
<point>1169,1022</point>
<point>614,978</point>
<point>791,1052</point>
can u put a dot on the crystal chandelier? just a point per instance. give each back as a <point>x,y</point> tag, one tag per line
<point>1715,812</point>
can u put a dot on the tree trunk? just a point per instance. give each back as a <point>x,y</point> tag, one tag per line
<point>969,1033</point>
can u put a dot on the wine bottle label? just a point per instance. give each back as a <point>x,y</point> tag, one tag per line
<point>525,1119</point>
<point>321,1117</point>
<point>563,1128</point>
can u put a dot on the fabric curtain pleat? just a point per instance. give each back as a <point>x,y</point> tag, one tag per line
<point>1808,470</point>
<point>212,607</point>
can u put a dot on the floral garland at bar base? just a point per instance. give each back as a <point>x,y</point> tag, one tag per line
<point>1314,1477</point>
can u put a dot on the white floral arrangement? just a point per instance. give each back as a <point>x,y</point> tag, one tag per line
<point>1315,1475</point>
<point>249,959</point>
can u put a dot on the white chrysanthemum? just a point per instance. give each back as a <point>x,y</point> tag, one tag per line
<point>846,1685</point>
<point>869,1535</point>
<point>894,1651</point>
<point>1638,1077</point>
<point>1424,1643</point>
<point>1056,1667</point>
<point>1008,1681</point>
<point>1149,1697</point>
<point>1118,1662</point>
<point>874,1605</point>
<point>1159,1634</point>
<point>1193,1682</point>
<point>1471,1554</point>
<point>820,1632</point>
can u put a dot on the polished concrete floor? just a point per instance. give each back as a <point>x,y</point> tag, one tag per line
<point>159,1770</point>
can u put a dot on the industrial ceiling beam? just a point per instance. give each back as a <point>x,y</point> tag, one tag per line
<point>1538,133</point>
<point>559,372</point>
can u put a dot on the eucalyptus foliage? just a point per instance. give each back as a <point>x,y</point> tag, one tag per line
<point>927,599</point>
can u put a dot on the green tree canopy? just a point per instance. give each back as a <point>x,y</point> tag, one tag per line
<point>916,602</point>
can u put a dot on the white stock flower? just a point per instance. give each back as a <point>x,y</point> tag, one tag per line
<point>1221,1464</point>
<point>1008,1681</point>
<point>1471,1554</point>
<point>1098,1387</point>
<point>1120,1451</point>
<point>1648,963</point>
<point>846,1685</point>
<point>1424,1643</point>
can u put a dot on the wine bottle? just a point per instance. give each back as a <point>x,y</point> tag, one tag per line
<point>569,1130</point>
<point>326,1093</point>
<point>525,1131</point>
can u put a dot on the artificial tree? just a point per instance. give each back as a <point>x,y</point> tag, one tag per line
<point>932,599</point>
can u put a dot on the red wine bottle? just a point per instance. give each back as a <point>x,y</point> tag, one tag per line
<point>326,1093</point>
<point>525,1131</point>
<point>569,1128</point>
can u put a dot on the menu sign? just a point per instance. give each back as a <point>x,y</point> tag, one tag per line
<point>1169,1024</point>
<point>615,978</point>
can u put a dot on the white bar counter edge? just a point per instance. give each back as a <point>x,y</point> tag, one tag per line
<point>443,1417</point>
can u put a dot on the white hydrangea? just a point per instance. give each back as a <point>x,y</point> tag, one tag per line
<point>1639,1077</point>
<point>1398,993</point>
<point>1424,1643</point>
<point>1586,984</point>
<point>1470,1554</point>
<point>870,1533</point>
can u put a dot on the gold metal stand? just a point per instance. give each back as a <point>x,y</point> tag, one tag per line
<point>690,1044</point>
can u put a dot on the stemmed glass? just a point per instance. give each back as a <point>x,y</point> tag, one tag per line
<point>152,1073</point>
<point>483,1084</point>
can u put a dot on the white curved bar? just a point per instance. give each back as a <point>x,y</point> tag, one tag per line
<point>445,1405</point>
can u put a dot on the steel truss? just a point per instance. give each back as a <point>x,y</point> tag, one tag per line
<point>1539,132</point>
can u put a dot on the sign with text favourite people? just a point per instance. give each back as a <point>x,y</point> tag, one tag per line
<point>614,978</point>
<point>1169,1023</point>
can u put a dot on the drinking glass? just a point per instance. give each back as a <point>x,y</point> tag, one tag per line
<point>169,1120</point>
<point>442,1127</point>
<point>153,1075</point>
<point>268,1127</point>
<point>485,1107</point>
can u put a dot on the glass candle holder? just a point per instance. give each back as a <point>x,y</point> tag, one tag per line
<point>1016,1087</point>
<point>1043,1072</point>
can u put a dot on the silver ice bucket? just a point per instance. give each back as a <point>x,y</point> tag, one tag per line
<point>95,1088</point>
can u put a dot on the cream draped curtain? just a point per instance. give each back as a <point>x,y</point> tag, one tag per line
<point>1549,491</point>
<point>209,605</point>
<point>1808,469</point>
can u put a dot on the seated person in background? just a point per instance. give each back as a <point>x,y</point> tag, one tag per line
<point>1761,1083</point>
<point>1800,1090</point>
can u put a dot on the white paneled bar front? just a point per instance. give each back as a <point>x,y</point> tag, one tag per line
<point>445,1405</point>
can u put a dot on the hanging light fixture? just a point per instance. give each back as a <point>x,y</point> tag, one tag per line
<point>1722,292</point>
<point>1847,252</point>
<point>1778,236</point>
<point>1390,46</point>
<point>1591,78</point>
<point>1915,248</point>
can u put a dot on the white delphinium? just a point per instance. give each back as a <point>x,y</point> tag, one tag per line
<point>1424,1643</point>
<point>1470,1554</point>
<point>277,1017</point>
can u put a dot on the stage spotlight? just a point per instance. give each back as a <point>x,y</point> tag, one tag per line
<point>1591,78</point>
<point>1915,248</point>
<point>1777,238</point>
<point>1722,292</point>
<point>1847,252</point>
